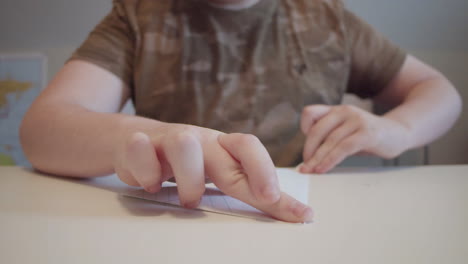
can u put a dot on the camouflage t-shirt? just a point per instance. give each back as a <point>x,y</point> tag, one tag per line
<point>251,70</point>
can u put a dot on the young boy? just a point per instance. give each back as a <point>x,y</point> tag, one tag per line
<point>206,76</point>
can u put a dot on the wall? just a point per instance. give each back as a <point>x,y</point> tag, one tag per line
<point>433,30</point>
<point>53,27</point>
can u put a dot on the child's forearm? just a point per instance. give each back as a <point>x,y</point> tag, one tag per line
<point>70,140</point>
<point>428,111</point>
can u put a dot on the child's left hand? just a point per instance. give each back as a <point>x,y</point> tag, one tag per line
<point>336,132</point>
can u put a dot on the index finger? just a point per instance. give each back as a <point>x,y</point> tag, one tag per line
<point>233,179</point>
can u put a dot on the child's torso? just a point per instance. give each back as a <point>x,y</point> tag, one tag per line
<point>249,71</point>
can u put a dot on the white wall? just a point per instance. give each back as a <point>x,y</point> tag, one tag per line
<point>418,24</point>
<point>53,27</point>
<point>434,30</point>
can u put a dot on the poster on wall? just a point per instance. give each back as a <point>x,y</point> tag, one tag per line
<point>22,77</point>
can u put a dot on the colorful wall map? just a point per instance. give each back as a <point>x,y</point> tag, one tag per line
<point>22,77</point>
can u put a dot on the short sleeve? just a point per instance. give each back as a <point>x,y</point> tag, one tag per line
<point>110,45</point>
<point>375,61</point>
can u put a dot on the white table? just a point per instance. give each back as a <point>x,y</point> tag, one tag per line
<point>400,215</point>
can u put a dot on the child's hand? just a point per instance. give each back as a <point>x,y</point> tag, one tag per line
<point>236,163</point>
<point>336,132</point>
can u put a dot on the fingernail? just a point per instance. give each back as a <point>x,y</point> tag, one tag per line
<point>302,211</point>
<point>153,189</point>
<point>298,167</point>
<point>192,205</point>
<point>303,168</point>
<point>318,169</point>
<point>308,215</point>
<point>271,194</point>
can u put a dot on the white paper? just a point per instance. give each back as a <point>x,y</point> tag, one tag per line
<point>291,182</point>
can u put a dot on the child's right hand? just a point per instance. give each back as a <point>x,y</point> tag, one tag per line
<point>238,164</point>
